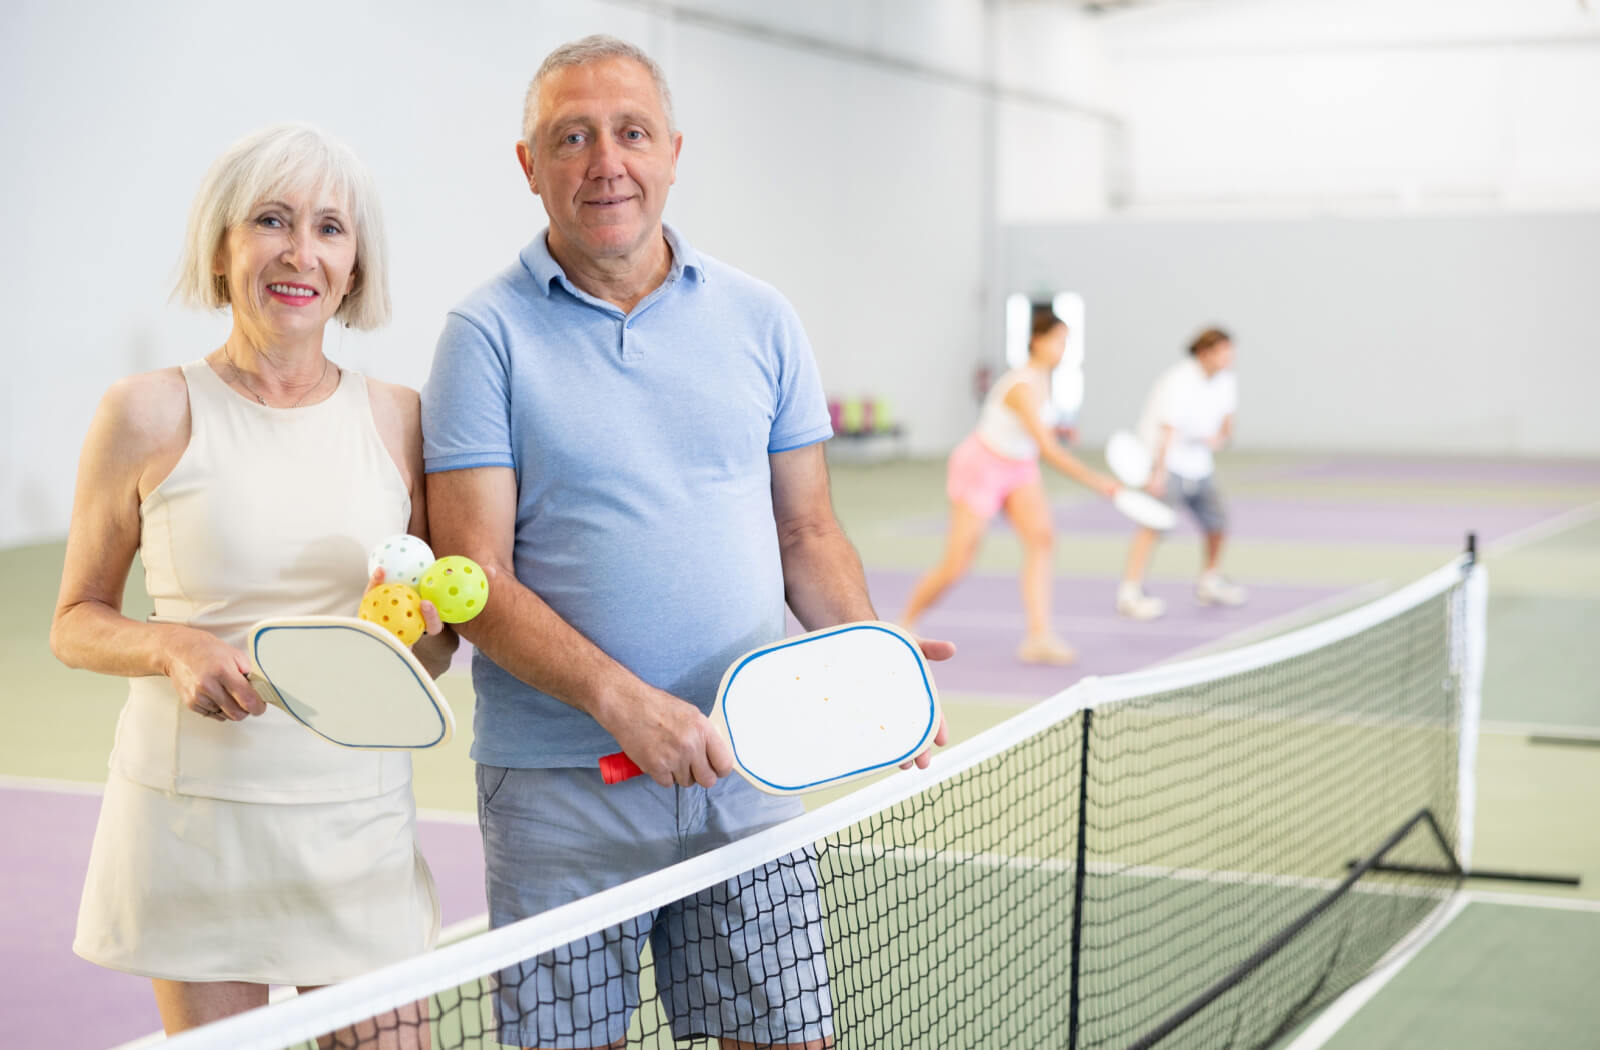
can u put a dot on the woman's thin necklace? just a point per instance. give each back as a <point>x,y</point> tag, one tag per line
<point>246,384</point>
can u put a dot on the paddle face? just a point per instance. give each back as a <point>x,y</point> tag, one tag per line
<point>350,682</point>
<point>1145,509</point>
<point>826,707</point>
<point>1127,458</point>
<point>810,712</point>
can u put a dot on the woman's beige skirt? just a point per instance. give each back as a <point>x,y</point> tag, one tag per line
<point>201,889</point>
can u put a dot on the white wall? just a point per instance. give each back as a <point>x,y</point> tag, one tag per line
<point>1357,106</point>
<point>1055,161</point>
<point>866,190</point>
<point>1456,335</point>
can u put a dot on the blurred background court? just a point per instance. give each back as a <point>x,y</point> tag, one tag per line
<point>1394,205</point>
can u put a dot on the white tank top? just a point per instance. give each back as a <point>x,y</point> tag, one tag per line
<point>999,428</point>
<point>269,512</point>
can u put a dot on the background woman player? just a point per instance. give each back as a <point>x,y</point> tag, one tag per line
<point>998,466</point>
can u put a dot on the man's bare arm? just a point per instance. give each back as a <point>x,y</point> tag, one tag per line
<point>822,576</point>
<point>473,512</point>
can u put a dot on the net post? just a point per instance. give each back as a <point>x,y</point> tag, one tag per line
<point>1472,550</point>
<point>1079,869</point>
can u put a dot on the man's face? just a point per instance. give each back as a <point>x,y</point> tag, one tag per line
<point>602,159</point>
<point>1217,357</point>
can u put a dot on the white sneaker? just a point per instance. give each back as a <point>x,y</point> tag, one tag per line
<point>1133,603</point>
<point>1213,589</point>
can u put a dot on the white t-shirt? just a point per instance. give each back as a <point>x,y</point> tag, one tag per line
<point>1194,406</point>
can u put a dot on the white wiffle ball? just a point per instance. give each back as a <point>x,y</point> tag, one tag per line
<point>402,559</point>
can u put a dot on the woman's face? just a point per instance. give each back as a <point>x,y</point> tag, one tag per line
<point>289,264</point>
<point>1046,349</point>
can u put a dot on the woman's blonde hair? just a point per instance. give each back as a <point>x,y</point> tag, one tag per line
<point>267,162</point>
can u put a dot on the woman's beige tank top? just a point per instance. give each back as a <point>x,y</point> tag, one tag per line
<point>269,512</point>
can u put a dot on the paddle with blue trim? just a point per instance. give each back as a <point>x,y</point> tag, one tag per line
<point>348,681</point>
<point>820,709</point>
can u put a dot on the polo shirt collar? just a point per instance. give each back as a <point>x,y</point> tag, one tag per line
<point>538,261</point>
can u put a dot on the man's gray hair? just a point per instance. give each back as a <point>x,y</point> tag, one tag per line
<point>596,48</point>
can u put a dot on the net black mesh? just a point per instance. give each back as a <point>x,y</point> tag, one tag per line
<point>1214,817</point>
<point>1220,813</point>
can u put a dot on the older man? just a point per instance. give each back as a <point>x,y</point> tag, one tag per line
<point>627,434</point>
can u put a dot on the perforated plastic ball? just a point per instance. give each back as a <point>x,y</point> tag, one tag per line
<point>402,559</point>
<point>457,587</point>
<point>397,609</point>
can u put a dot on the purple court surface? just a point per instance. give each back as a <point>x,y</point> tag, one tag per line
<point>982,615</point>
<point>1314,521</point>
<point>52,998</point>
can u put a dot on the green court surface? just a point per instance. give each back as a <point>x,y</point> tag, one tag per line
<point>1496,975</point>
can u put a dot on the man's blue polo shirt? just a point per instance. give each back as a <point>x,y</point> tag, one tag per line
<point>640,444</point>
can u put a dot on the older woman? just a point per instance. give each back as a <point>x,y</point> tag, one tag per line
<point>236,850</point>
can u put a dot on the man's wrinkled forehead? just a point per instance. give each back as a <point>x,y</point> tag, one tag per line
<point>608,89</point>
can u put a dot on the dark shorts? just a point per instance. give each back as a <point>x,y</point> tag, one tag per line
<point>1202,499</point>
<point>741,960</point>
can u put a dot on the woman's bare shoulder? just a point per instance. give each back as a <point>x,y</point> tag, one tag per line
<point>148,409</point>
<point>397,408</point>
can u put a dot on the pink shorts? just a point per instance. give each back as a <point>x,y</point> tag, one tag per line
<point>982,479</point>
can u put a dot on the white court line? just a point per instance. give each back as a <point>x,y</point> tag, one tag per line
<point>1533,900</point>
<point>1543,530</point>
<point>448,816</point>
<point>1339,1012</point>
<point>1541,729</point>
<point>60,787</point>
<point>90,787</point>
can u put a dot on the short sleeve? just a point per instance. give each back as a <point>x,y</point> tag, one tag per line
<point>1228,394</point>
<point>466,403</point>
<point>801,417</point>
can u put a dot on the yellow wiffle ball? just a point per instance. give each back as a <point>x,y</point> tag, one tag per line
<point>457,587</point>
<point>397,609</point>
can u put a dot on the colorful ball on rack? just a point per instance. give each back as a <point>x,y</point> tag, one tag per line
<point>397,609</point>
<point>402,559</point>
<point>457,587</point>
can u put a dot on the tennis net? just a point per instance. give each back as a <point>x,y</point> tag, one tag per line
<point>1196,855</point>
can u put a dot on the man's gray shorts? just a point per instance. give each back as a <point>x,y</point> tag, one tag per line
<point>741,960</point>
<point>1202,499</point>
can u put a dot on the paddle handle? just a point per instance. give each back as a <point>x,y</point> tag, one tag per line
<point>614,769</point>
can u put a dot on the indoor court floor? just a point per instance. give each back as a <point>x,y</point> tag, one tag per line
<point>1312,535</point>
